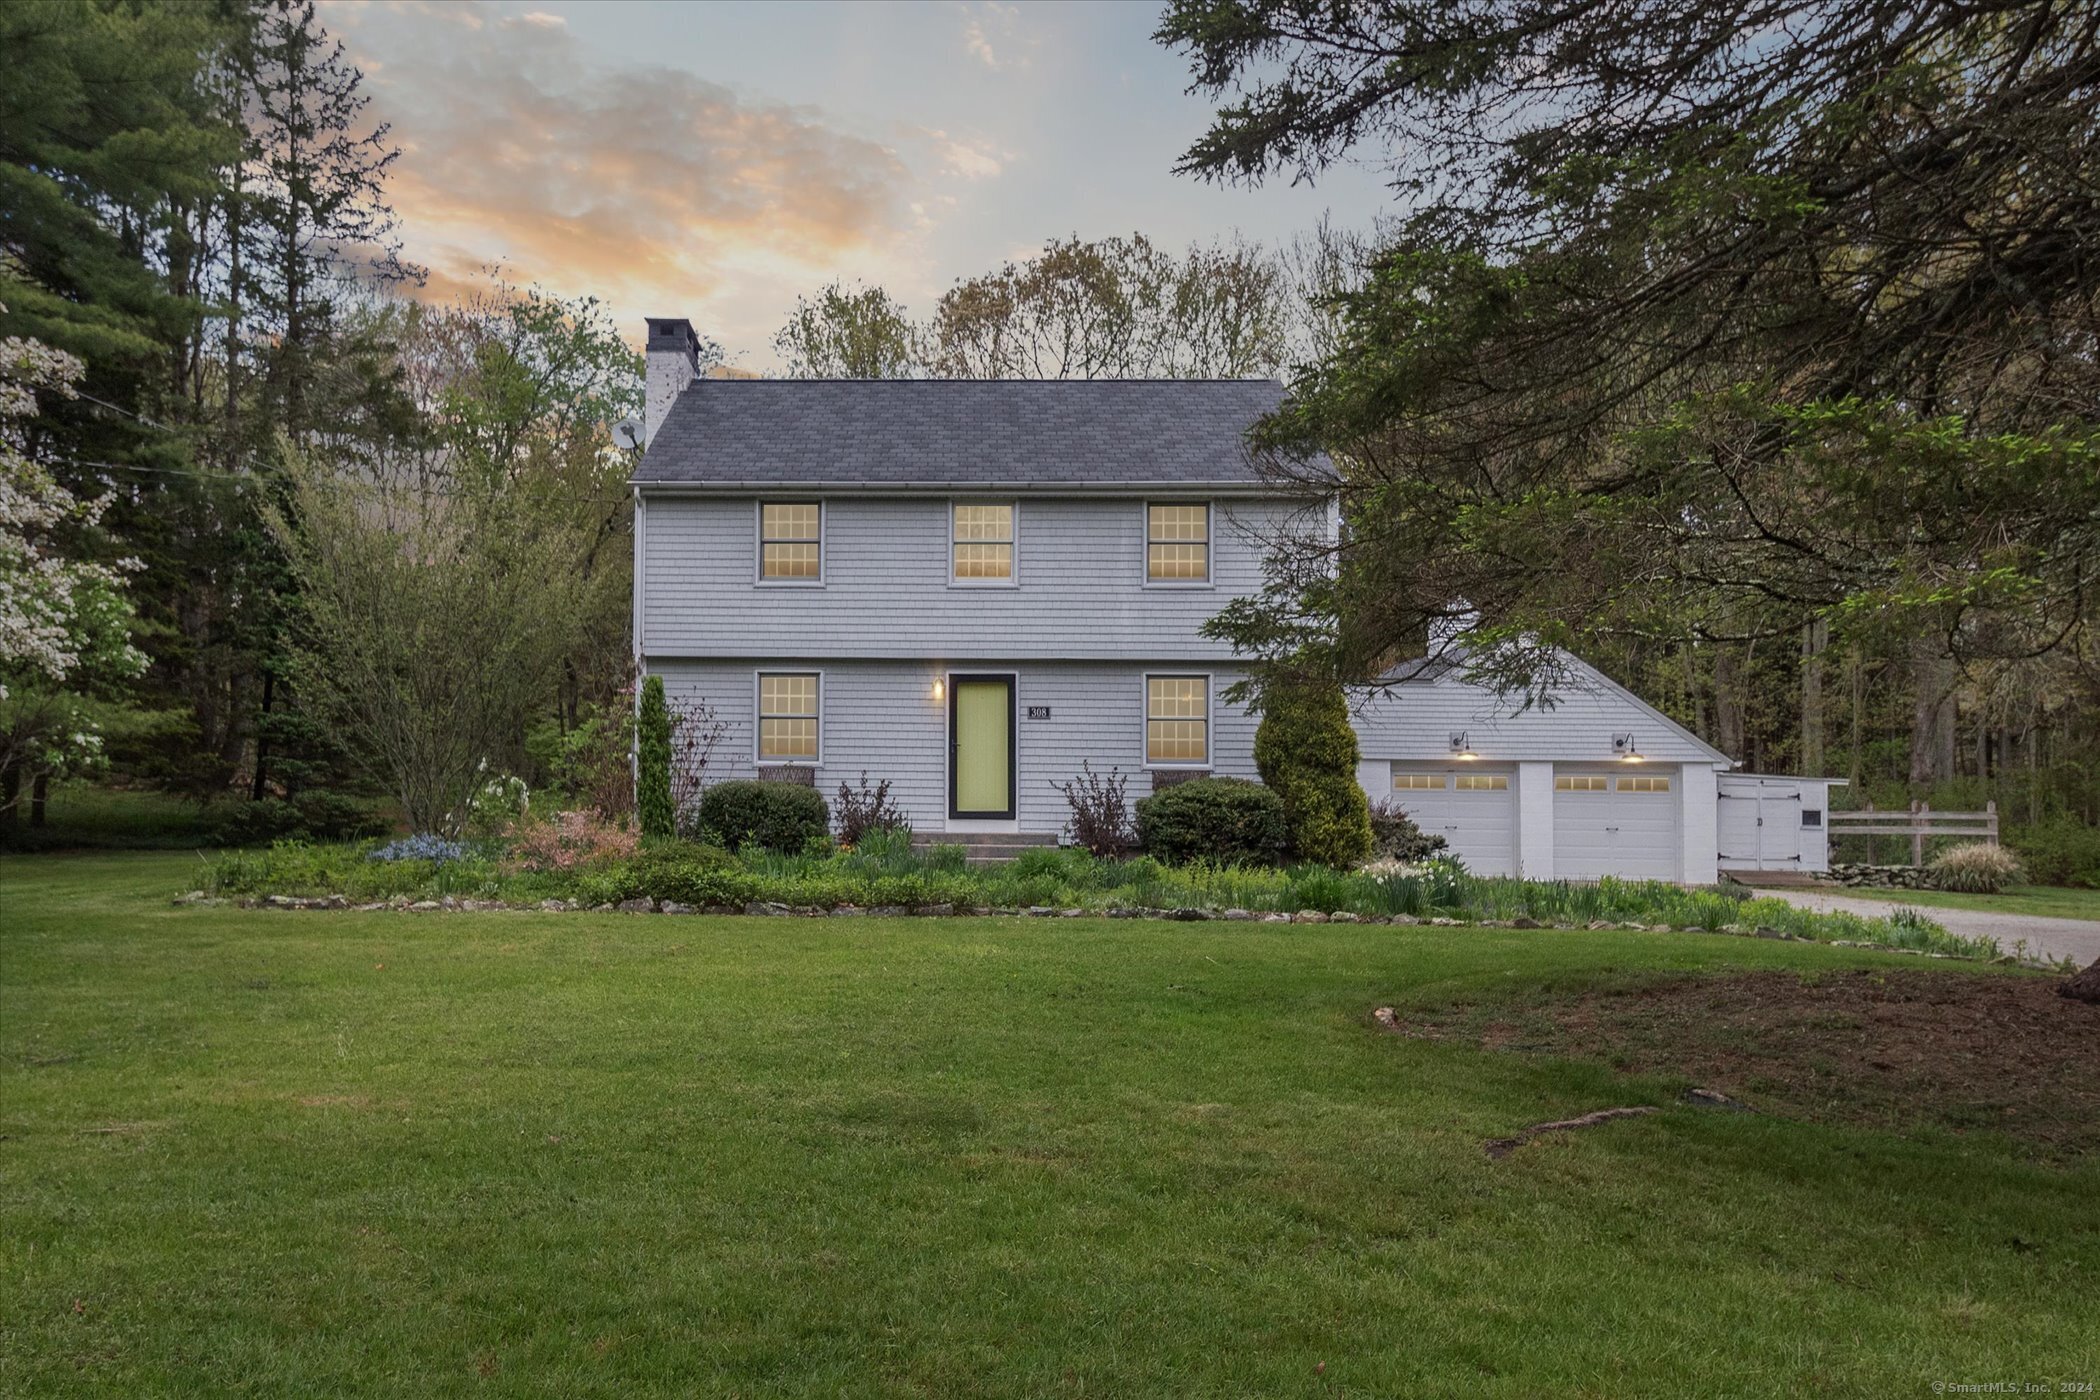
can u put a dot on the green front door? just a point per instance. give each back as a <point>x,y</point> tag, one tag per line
<point>981,746</point>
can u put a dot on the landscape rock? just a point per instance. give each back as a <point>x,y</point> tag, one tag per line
<point>1523,922</point>
<point>1276,918</point>
<point>1187,915</point>
<point>1343,916</point>
<point>422,906</point>
<point>637,906</point>
<point>887,911</point>
<point>193,897</point>
<point>1040,911</point>
<point>1308,916</point>
<point>1402,919</point>
<point>2085,986</point>
<point>766,909</point>
<point>1238,916</point>
<point>672,906</point>
<point>554,906</point>
<point>937,909</point>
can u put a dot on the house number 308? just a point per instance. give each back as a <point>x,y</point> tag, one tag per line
<point>1039,712</point>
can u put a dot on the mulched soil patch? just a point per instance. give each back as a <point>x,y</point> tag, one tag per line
<point>2002,1054</point>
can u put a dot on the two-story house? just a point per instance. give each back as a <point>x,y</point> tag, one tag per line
<point>970,588</point>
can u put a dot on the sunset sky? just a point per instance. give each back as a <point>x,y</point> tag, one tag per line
<point>715,160</point>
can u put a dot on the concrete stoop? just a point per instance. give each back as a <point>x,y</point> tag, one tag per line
<point>986,847</point>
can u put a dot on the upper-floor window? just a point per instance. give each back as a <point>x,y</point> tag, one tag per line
<point>787,718</point>
<point>1177,720</point>
<point>982,540</point>
<point>791,541</point>
<point>1177,543</point>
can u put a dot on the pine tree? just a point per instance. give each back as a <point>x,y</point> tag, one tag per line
<point>652,785</point>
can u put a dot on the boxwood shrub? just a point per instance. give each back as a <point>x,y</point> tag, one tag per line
<point>771,815</point>
<point>1227,820</point>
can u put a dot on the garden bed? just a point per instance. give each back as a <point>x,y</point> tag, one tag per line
<point>1906,1049</point>
<point>887,877</point>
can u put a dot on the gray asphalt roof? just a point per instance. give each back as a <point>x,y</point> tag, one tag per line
<point>950,433</point>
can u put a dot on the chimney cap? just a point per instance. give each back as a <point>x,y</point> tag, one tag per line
<point>673,333</point>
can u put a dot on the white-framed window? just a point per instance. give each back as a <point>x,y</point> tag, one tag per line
<point>1644,782</point>
<point>981,542</point>
<point>1482,782</point>
<point>1177,721</point>
<point>1177,542</point>
<point>788,710</point>
<point>1581,782</point>
<point>1418,782</point>
<point>790,542</point>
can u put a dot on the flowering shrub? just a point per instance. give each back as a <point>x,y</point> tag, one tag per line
<point>435,849</point>
<point>497,806</point>
<point>569,840</point>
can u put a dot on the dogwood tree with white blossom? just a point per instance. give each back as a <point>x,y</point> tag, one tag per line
<point>65,623</point>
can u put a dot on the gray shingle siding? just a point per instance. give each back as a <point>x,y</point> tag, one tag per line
<point>1080,565</point>
<point>881,718</point>
<point>960,434</point>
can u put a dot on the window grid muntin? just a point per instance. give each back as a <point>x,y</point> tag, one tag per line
<point>1177,543</point>
<point>1581,782</point>
<point>1418,782</point>
<point>1177,719</point>
<point>1644,782</point>
<point>791,541</point>
<point>788,716</point>
<point>1483,782</point>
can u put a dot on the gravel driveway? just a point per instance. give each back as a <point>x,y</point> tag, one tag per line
<point>2076,939</point>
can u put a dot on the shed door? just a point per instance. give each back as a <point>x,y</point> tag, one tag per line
<point>1612,821</point>
<point>1760,825</point>
<point>1471,805</point>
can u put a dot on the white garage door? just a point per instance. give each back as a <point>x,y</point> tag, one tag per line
<point>1472,806</point>
<point>1608,821</point>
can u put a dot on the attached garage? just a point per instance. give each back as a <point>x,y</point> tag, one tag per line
<point>1597,783</point>
<point>1472,806</point>
<point>1612,821</point>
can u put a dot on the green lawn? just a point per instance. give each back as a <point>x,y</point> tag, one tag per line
<point>2041,901</point>
<point>300,1153</point>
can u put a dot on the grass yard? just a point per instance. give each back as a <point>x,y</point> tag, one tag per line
<point>2039,901</point>
<point>260,1152</point>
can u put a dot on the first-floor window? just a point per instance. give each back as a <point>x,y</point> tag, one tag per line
<point>1653,782</point>
<point>1483,782</point>
<point>1581,782</point>
<point>1418,782</point>
<point>787,718</point>
<point>1177,719</point>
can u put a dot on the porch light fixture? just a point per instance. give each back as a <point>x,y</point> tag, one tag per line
<point>1622,745</point>
<point>1461,744</point>
<point>940,688</point>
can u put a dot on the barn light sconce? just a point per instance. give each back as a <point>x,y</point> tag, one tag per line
<point>1622,745</point>
<point>1462,745</point>
<point>940,688</point>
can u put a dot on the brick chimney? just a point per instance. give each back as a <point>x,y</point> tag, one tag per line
<point>673,359</point>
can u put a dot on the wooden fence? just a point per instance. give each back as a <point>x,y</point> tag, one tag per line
<point>1917,823</point>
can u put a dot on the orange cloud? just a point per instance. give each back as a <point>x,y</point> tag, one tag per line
<point>639,185</point>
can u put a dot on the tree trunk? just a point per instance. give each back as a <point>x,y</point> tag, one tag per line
<point>1728,708</point>
<point>1931,716</point>
<point>39,795</point>
<point>1814,638</point>
<point>262,736</point>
